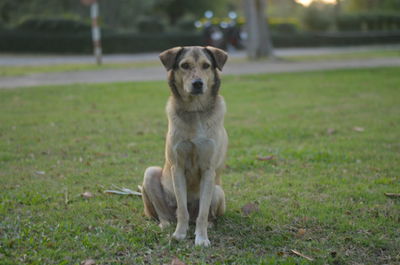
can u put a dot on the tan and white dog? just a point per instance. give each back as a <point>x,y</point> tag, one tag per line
<point>189,186</point>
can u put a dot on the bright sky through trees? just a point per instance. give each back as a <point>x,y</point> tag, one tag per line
<point>307,2</point>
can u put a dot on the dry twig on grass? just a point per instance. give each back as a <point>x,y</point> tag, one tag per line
<point>122,191</point>
<point>301,255</point>
<point>66,197</point>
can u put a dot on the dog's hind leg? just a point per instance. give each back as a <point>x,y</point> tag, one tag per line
<point>154,197</point>
<point>217,207</point>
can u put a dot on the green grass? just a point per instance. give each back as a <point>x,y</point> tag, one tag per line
<point>372,54</point>
<point>88,137</point>
<point>9,71</point>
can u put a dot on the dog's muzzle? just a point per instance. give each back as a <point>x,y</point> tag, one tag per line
<point>197,87</point>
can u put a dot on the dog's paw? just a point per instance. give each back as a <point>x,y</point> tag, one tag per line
<point>178,235</point>
<point>180,231</point>
<point>202,241</point>
<point>164,224</point>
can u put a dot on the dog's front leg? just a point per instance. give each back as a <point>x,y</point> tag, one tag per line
<point>179,181</point>
<point>207,184</point>
<point>206,149</point>
<point>182,214</point>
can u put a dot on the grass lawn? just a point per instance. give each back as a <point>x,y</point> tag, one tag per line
<point>57,68</point>
<point>345,56</point>
<point>334,141</point>
<point>8,71</point>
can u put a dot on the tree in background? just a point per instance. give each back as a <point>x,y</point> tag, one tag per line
<point>7,8</point>
<point>132,14</point>
<point>114,14</point>
<point>259,42</point>
<point>318,16</point>
<point>338,8</point>
<point>175,10</point>
<point>12,12</point>
<point>283,8</point>
<point>124,14</point>
<point>371,5</point>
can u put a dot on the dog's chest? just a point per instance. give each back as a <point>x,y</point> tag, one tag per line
<point>192,169</point>
<point>195,125</point>
<point>195,139</point>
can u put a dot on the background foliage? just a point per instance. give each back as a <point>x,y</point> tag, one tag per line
<point>138,26</point>
<point>125,14</point>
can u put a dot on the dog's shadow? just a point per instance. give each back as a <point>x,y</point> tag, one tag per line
<point>240,232</point>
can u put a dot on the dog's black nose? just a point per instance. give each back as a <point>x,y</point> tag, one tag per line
<point>197,86</point>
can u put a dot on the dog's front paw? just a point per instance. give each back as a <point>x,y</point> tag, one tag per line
<point>178,235</point>
<point>180,231</point>
<point>164,224</point>
<point>202,241</point>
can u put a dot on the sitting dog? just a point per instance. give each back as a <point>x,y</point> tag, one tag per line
<point>188,186</point>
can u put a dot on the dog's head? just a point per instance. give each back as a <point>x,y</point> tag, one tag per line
<point>194,70</point>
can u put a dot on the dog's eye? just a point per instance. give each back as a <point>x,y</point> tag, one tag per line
<point>185,66</point>
<point>206,65</point>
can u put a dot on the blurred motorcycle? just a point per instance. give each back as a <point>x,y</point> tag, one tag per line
<point>225,35</point>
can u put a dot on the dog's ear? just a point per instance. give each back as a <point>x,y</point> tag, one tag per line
<point>218,55</point>
<point>168,57</point>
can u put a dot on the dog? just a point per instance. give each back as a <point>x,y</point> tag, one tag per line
<point>189,185</point>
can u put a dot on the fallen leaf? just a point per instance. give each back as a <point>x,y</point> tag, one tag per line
<point>176,261</point>
<point>250,208</point>
<point>305,219</point>
<point>88,262</point>
<point>87,195</point>
<point>330,131</point>
<point>301,232</point>
<point>301,255</point>
<point>358,129</point>
<point>265,158</point>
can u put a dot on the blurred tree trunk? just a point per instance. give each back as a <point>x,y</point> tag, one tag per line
<point>338,7</point>
<point>338,10</point>
<point>259,42</point>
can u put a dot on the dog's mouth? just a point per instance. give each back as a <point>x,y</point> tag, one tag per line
<point>195,92</point>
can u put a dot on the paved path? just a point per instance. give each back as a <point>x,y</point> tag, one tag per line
<point>23,59</point>
<point>158,73</point>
